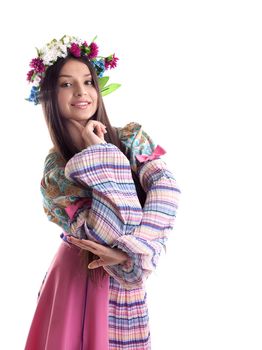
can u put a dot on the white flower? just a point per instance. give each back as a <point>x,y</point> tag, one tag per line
<point>66,39</point>
<point>49,54</point>
<point>55,49</point>
<point>36,81</point>
<point>76,40</point>
<point>63,50</point>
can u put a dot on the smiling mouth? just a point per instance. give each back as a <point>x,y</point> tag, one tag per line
<point>81,105</point>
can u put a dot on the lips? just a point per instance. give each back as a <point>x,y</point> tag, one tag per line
<point>81,104</point>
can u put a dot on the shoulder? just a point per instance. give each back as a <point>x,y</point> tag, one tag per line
<point>53,160</point>
<point>133,135</point>
<point>135,141</point>
<point>129,130</point>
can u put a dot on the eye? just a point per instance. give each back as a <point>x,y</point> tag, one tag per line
<point>66,84</point>
<point>89,82</point>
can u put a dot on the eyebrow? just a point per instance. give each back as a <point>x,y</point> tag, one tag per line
<point>70,76</point>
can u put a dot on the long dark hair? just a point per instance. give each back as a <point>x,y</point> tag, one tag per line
<point>61,138</point>
<point>48,97</point>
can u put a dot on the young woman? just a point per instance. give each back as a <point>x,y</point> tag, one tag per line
<point>112,196</point>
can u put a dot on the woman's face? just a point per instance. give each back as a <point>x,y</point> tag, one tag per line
<point>77,96</point>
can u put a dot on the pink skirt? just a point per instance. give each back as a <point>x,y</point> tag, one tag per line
<point>72,311</point>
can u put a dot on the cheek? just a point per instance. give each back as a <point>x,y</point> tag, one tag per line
<point>95,98</point>
<point>59,98</point>
<point>62,99</point>
<point>63,107</point>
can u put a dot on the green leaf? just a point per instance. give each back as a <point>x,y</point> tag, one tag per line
<point>94,39</point>
<point>62,39</point>
<point>109,88</point>
<point>102,82</point>
<point>86,49</point>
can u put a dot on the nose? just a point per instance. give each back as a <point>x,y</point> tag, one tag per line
<point>80,91</point>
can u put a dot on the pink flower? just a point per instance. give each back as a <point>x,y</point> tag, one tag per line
<point>30,74</point>
<point>111,61</point>
<point>75,50</point>
<point>38,65</point>
<point>93,51</point>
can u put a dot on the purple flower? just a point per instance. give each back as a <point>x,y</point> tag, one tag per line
<point>75,50</point>
<point>38,65</point>
<point>111,61</point>
<point>93,51</point>
<point>30,74</point>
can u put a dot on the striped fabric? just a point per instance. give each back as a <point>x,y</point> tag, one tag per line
<point>114,217</point>
<point>115,207</point>
<point>128,318</point>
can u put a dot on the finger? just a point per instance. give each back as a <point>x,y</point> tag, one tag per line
<point>82,244</point>
<point>102,127</point>
<point>95,247</point>
<point>100,134</point>
<point>93,126</point>
<point>94,123</point>
<point>89,243</point>
<point>102,130</point>
<point>96,263</point>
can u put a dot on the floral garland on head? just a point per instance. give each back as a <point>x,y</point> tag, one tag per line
<point>69,45</point>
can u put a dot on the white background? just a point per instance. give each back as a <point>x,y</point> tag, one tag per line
<point>191,75</point>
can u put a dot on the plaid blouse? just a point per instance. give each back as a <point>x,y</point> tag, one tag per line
<point>111,214</point>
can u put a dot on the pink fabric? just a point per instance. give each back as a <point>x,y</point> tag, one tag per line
<point>72,312</point>
<point>158,151</point>
<point>71,209</point>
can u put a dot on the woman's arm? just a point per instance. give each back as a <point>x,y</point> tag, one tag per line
<point>146,241</point>
<point>116,217</point>
<point>115,208</point>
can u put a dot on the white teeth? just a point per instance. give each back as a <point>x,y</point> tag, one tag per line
<point>81,104</point>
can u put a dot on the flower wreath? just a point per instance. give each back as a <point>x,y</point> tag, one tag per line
<point>69,45</point>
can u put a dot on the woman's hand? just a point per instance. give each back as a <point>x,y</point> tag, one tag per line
<point>92,133</point>
<point>107,256</point>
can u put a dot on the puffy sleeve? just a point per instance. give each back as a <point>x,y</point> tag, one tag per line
<point>115,208</point>
<point>145,243</point>
<point>116,217</point>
